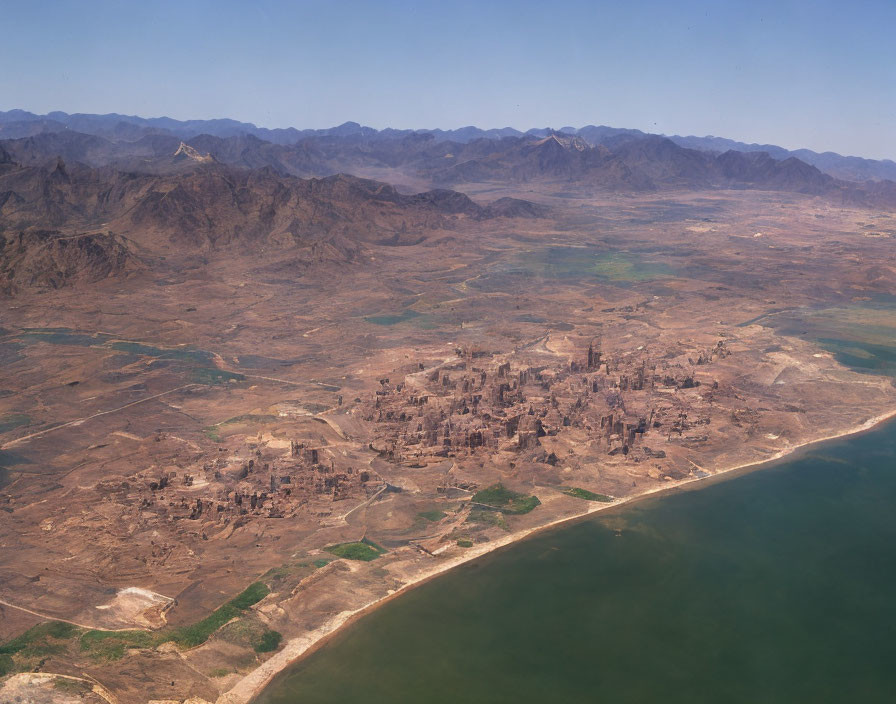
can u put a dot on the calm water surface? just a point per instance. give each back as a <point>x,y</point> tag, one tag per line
<point>776,586</point>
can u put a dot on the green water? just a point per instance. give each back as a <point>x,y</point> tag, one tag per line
<point>64,336</point>
<point>859,335</point>
<point>571,264</point>
<point>181,354</point>
<point>194,362</point>
<point>393,319</point>
<point>776,586</point>
<point>422,321</point>
<point>588,262</point>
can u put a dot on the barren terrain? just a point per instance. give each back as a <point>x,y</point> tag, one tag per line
<point>178,433</point>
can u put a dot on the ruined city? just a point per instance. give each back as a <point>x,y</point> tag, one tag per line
<point>482,406</point>
<point>494,403</point>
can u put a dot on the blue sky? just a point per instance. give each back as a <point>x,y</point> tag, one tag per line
<point>814,74</point>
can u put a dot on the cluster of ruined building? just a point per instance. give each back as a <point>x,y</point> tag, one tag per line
<point>265,486</point>
<point>458,408</point>
<point>476,404</point>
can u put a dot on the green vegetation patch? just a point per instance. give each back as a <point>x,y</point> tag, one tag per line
<point>464,543</point>
<point>199,632</point>
<point>112,645</point>
<point>41,640</point>
<point>432,516</point>
<point>580,493</point>
<point>276,574</point>
<point>492,517</point>
<point>566,263</point>
<point>365,550</point>
<point>285,577</point>
<point>250,418</point>
<point>322,562</point>
<point>499,497</point>
<point>250,596</point>
<point>249,633</point>
<point>77,687</point>
<point>268,642</point>
<point>863,356</point>
<point>102,646</point>
<point>244,631</point>
<point>622,267</point>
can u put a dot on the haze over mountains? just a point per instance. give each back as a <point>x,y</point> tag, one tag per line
<point>591,158</point>
<point>114,127</point>
<point>85,197</point>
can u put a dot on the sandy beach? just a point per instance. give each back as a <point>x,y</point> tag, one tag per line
<point>250,686</point>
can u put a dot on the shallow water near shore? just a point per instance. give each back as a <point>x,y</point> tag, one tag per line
<point>775,586</point>
<point>772,586</point>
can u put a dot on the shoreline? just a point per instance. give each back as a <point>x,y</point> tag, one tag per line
<point>248,688</point>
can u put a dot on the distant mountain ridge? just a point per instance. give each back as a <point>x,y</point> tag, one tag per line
<point>115,127</point>
<point>849,168</point>
<point>624,162</point>
<point>78,208</point>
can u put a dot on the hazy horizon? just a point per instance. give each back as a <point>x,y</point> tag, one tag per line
<point>796,74</point>
<point>523,130</point>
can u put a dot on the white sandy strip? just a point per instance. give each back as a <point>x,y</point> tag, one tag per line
<point>252,684</point>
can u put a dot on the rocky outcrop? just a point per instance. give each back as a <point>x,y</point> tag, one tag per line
<point>186,152</point>
<point>47,259</point>
<point>516,208</point>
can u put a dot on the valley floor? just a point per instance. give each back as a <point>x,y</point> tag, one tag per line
<point>192,455</point>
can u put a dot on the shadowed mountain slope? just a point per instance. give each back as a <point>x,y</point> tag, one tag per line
<point>47,259</point>
<point>204,206</point>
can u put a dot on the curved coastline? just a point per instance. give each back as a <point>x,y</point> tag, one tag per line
<point>249,687</point>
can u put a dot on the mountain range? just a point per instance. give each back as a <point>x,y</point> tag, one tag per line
<point>623,162</point>
<point>68,223</point>
<point>79,206</point>
<point>115,127</point>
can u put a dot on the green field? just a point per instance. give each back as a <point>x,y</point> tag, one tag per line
<point>561,263</point>
<point>503,499</point>
<point>587,495</point>
<point>432,516</point>
<point>365,550</point>
<point>55,637</point>
<point>492,517</point>
<point>269,642</point>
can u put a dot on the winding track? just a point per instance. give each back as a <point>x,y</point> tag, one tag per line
<point>45,617</point>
